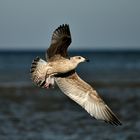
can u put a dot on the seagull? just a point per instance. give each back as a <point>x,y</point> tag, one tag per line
<point>61,68</point>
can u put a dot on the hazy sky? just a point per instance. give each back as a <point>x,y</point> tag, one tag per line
<point>93,23</point>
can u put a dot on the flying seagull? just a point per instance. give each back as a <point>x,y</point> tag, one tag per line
<point>60,68</point>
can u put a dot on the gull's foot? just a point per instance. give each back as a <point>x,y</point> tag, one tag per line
<point>49,82</point>
<point>47,85</point>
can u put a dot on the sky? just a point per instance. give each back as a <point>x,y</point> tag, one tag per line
<point>94,24</point>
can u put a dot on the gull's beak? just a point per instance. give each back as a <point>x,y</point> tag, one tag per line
<point>86,59</point>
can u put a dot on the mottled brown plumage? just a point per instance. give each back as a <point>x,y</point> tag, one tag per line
<point>61,39</point>
<point>68,80</point>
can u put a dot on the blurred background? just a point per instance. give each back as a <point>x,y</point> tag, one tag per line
<point>107,32</point>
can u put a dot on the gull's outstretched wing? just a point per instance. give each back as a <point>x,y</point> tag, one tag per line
<point>82,93</point>
<point>61,39</point>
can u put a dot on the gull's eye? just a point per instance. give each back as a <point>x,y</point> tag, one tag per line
<point>79,57</point>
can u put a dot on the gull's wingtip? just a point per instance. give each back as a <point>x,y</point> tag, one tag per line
<point>113,120</point>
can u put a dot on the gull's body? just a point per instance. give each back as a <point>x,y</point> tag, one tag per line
<point>62,69</point>
<point>43,72</point>
<point>64,65</point>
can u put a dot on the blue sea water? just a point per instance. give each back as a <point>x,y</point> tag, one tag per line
<point>28,112</point>
<point>111,66</point>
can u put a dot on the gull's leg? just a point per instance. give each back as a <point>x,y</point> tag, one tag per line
<point>49,81</point>
<point>48,78</point>
<point>47,84</point>
<point>52,82</point>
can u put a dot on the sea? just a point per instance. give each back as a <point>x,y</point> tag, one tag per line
<point>28,112</point>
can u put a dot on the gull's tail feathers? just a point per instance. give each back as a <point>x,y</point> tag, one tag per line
<point>38,71</point>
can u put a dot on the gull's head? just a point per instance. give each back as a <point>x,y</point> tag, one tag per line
<point>78,59</point>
